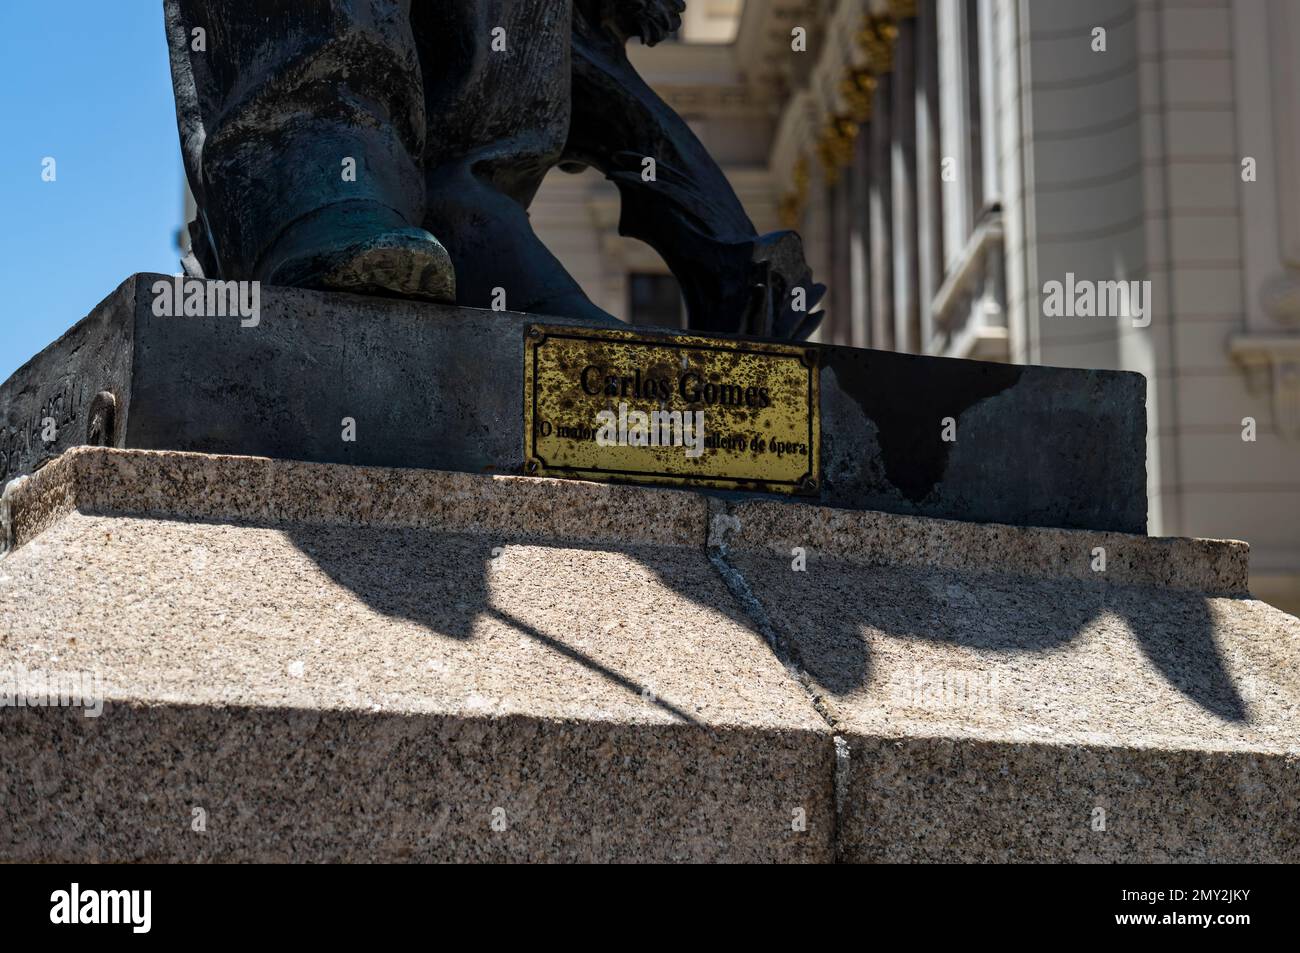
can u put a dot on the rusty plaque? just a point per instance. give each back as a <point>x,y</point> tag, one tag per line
<point>627,406</point>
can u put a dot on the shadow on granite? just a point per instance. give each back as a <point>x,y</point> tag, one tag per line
<point>961,651</point>
<point>978,692</point>
<point>441,582</point>
<point>444,590</point>
<point>425,545</point>
<point>1007,616</point>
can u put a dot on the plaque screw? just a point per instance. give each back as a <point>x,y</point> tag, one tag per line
<point>534,332</point>
<point>532,466</point>
<point>808,483</point>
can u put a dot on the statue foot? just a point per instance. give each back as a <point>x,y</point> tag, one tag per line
<point>401,262</point>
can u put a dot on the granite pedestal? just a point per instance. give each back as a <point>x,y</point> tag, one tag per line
<point>326,662</point>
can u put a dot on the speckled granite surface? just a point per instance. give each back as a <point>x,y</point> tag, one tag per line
<point>353,693</point>
<point>338,663</point>
<point>989,715</point>
<point>883,539</point>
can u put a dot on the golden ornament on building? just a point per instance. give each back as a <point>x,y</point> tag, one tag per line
<point>792,204</point>
<point>835,147</point>
<point>858,89</point>
<point>876,40</point>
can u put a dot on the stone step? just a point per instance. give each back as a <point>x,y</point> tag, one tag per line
<point>322,662</point>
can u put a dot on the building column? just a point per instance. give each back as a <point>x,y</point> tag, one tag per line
<point>842,291</point>
<point>860,238</point>
<point>929,187</point>
<point>881,218</point>
<point>907,326</point>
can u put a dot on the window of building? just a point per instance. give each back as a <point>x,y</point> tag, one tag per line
<point>655,300</point>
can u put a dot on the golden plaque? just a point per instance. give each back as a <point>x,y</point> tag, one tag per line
<point>630,406</point>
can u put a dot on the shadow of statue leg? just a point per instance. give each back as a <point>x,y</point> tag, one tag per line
<point>301,123</point>
<point>1178,638</point>
<point>732,278</point>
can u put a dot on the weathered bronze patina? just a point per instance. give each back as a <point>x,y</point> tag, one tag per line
<point>394,146</point>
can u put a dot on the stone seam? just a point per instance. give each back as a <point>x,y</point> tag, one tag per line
<point>720,520</point>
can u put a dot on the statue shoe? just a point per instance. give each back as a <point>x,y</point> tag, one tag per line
<point>400,262</point>
<point>407,263</point>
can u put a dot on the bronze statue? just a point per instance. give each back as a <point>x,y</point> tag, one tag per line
<point>394,146</point>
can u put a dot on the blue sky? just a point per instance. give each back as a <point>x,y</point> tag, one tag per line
<point>86,82</point>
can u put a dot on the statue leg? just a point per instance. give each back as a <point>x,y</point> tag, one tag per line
<point>732,278</point>
<point>498,122</point>
<point>302,123</point>
<point>500,262</point>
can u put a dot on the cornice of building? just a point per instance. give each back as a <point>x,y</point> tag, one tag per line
<point>822,110</point>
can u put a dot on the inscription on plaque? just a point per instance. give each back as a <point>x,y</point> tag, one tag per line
<point>614,405</point>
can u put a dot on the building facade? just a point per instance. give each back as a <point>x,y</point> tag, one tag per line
<point>1104,184</point>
